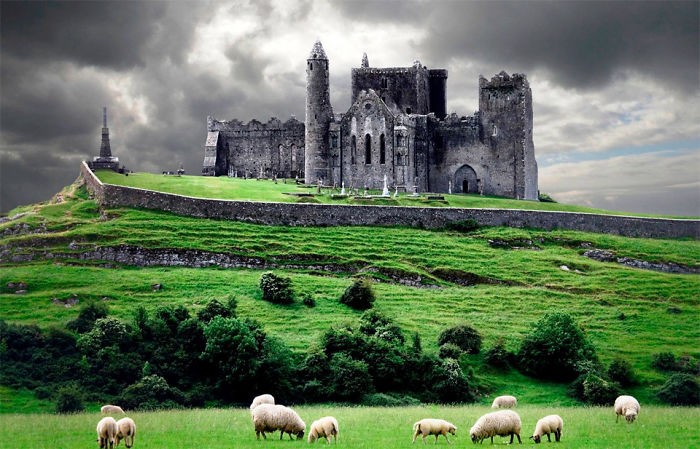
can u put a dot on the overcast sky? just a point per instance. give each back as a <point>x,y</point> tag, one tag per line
<point>615,85</point>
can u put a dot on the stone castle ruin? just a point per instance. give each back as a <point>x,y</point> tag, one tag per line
<point>396,127</point>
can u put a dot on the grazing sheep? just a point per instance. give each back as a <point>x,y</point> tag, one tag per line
<point>111,409</point>
<point>272,417</point>
<point>549,424</point>
<point>262,399</point>
<point>501,423</point>
<point>430,426</point>
<point>626,406</point>
<point>126,430</point>
<point>106,432</point>
<point>324,428</point>
<point>504,402</point>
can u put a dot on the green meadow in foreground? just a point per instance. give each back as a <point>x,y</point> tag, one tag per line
<point>226,188</point>
<point>360,427</point>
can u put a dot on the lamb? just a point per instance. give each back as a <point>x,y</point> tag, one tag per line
<point>549,424</point>
<point>504,402</point>
<point>111,409</point>
<point>126,430</point>
<point>106,432</point>
<point>262,399</point>
<point>626,406</point>
<point>502,423</point>
<point>324,428</point>
<point>430,426</point>
<point>272,417</point>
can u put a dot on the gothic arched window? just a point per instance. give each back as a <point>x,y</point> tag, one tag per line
<point>382,150</point>
<point>353,149</point>
<point>368,149</point>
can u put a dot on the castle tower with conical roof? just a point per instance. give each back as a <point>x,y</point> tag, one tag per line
<point>319,114</point>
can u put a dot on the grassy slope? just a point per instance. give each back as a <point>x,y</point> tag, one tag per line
<point>597,297</point>
<point>370,428</point>
<point>265,190</point>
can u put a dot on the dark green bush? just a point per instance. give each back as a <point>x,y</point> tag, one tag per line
<point>89,313</point>
<point>389,400</point>
<point>463,336</point>
<point>468,225</point>
<point>497,356</point>
<point>621,371</point>
<point>375,324</point>
<point>349,378</point>
<point>308,300</point>
<point>276,289</point>
<point>554,349</point>
<point>212,309</point>
<point>598,390</point>
<point>151,393</point>
<point>680,389</point>
<point>450,351</point>
<point>664,361</point>
<point>69,399</point>
<point>451,385</point>
<point>359,295</point>
<point>545,198</point>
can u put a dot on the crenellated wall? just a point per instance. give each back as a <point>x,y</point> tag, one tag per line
<point>300,214</point>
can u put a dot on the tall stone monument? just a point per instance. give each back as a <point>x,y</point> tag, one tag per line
<point>105,160</point>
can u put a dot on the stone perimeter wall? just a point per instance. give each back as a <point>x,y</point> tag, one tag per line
<point>300,214</point>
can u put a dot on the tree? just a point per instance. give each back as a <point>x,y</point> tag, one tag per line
<point>69,399</point>
<point>276,289</point>
<point>87,316</point>
<point>359,295</point>
<point>350,378</point>
<point>151,393</point>
<point>554,348</point>
<point>680,389</point>
<point>463,336</point>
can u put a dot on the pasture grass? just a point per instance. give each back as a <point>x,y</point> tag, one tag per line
<point>223,187</point>
<point>360,427</point>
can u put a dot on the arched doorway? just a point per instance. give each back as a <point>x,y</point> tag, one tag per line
<point>465,180</point>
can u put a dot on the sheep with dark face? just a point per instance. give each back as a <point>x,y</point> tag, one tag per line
<point>272,417</point>
<point>501,423</point>
<point>432,426</point>
<point>626,406</point>
<point>549,424</point>
<point>106,432</point>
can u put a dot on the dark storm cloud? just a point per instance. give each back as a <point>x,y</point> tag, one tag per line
<point>582,44</point>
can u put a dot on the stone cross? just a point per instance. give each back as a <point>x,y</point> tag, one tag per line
<point>385,190</point>
<point>342,189</point>
<point>449,187</point>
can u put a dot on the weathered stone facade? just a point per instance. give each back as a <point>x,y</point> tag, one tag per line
<point>396,127</point>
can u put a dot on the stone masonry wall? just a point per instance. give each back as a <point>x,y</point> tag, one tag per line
<point>299,214</point>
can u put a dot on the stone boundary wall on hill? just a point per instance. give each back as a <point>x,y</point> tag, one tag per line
<point>300,214</point>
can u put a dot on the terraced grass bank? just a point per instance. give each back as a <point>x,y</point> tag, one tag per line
<point>360,428</point>
<point>305,214</point>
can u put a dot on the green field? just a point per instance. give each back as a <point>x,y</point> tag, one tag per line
<point>265,190</point>
<point>360,427</point>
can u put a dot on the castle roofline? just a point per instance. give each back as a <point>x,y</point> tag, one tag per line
<point>317,51</point>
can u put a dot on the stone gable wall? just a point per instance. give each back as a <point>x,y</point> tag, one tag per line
<point>299,214</point>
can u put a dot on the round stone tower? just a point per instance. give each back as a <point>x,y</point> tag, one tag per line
<point>318,117</point>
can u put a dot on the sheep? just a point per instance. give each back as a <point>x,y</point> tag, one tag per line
<point>549,424</point>
<point>324,428</point>
<point>262,399</point>
<point>272,417</point>
<point>111,409</point>
<point>106,432</point>
<point>502,423</point>
<point>504,402</point>
<point>430,426</point>
<point>126,430</point>
<point>626,406</point>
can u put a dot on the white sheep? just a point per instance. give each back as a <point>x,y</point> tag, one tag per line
<point>501,423</point>
<point>262,399</point>
<point>272,417</point>
<point>106,432</point>
<point>431,426</point>
<point>324,428</point>
<point>111,409</point>
<point>549,424</point>
<point>504,402</point>
<point>126,430</point>
<point>626,406</point>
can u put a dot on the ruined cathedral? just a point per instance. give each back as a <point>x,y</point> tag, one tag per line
<point>397,126</point>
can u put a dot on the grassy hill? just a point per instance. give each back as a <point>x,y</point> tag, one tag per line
<point>499,280</point>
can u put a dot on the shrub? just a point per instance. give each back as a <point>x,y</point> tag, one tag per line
<point>450,351</point>
<point>554,349</point>
<point>468,225</point>
<point>359,295</point>
<point>462,336</point>
<point>451,385</point>
<point>375,324</point>
<point>349,378</point>
<point>664,361</point>
<point>680,389</point>
<point>87,316</point>
<point>212,309</point>
<point>69,399</point>
<point>151,393</point>
<point>620,371</point>
<point>497,356</point>
<point>545,198</point>
<point>389,400</point>
<point>308,300</point>
<point>417,345</point>
<point>276,289</point>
